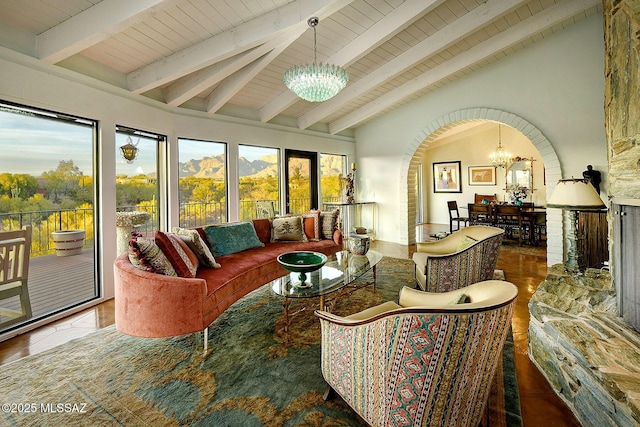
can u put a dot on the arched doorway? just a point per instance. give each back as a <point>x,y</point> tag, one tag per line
<point>431,132</point>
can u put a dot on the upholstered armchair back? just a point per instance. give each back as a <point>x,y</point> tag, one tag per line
<point>465,257</point>
<point>424,366</point>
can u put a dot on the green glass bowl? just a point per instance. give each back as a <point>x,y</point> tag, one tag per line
<point>302,261</point>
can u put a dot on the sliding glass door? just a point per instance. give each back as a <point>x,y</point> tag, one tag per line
<point>301,176</point>
<point>47,181</point>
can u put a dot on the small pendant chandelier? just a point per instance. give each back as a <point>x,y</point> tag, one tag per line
<point>500,158</point>
<point>316,82</point>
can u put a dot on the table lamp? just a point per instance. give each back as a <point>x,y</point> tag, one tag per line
<point>575,195</point>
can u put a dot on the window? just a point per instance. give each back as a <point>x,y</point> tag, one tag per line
<point>138,180</point>
<point>47,182</point>
<point>258,169</point>
<point>332,166</point>
<point>203,182</point>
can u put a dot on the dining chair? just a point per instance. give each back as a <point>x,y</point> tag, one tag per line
<point>480,214</point>
<point>454,216</point>
<point>510,219</point>
<point>478,198</point>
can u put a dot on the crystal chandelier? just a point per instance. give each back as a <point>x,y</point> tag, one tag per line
<point>500,158</point>
<point>315,82</point>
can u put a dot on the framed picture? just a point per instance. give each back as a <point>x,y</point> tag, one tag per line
<point>482,175</point>
<point>446,177</point>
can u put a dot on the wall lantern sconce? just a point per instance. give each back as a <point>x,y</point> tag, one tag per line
<point>129,150</point>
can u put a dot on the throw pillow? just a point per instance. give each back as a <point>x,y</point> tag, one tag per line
<point>329,223</point>
<point>146,255</point>
<point>187,250</point>
<point>311,225</point>
<point>288,229</point>
<point>198,246</point>
<point>176,254</point>
<point>230,238</point>
<point>465,243</point>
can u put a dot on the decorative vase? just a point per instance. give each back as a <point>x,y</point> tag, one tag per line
<point>68,242</point>
<point>360,245</point>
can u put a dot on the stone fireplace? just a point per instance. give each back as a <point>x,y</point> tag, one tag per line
<point>581,334</point>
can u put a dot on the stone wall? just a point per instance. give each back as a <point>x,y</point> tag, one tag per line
<point>622,96</point>
<point>590,356</point>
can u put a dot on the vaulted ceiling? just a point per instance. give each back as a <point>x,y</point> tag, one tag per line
<point>227,57</point>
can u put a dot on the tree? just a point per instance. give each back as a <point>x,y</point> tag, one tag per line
<point>63,181</point>
<point>18,186</point>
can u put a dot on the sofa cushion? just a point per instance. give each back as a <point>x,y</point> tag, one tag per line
<point>288,229</point>
<point>198,246</point>
<point>230,238</point>
<point>146,255</point>
<point>311,225</point>
<point>172,248</point>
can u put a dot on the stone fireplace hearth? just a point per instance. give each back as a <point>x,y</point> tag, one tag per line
<point>590,356</point>
<point>577,337</point>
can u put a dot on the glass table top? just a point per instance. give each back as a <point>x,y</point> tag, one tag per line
<point>341,269</point>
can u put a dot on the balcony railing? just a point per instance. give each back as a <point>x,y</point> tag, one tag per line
<point>191,215</point>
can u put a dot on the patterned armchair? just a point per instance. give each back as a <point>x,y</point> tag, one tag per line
<point>460,259</point>
<point>428,361</point>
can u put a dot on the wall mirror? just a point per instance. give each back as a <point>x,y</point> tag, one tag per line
<point>520,174</point>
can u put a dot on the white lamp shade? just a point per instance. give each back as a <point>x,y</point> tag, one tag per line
<point>575,194</point>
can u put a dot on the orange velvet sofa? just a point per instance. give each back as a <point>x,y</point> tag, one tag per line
<point>153,305</point>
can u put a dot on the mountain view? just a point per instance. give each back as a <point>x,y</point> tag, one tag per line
<point>213,167</point>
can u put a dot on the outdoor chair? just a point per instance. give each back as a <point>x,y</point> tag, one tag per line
<point>454,216</point>
<point>15,248</point>
<point>428,361</point>
<point>265,209</point>
<point>465,257</point>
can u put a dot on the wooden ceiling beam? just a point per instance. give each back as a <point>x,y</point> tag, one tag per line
<point>510,37</point>
<point>445,37</point>
<point>396,21</point>
<point>232,42</point>
<point>90,27</point>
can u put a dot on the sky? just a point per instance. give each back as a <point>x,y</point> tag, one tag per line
<point>32,146</point>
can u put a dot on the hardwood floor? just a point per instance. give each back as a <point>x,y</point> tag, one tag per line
<point>525,267</point>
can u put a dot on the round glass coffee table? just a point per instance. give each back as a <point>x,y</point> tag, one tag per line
<point>341,270</point>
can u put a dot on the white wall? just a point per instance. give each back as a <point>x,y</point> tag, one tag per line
<point>556,85</point>
<point>26,81</point>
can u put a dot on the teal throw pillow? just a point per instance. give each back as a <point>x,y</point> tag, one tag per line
<point>230,238</point>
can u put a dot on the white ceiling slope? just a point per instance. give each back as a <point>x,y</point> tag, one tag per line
<point>228,56</point>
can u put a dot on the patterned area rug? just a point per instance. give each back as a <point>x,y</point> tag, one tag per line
<point>255,375</point>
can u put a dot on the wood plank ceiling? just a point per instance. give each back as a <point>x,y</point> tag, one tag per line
<point>227,57</point>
